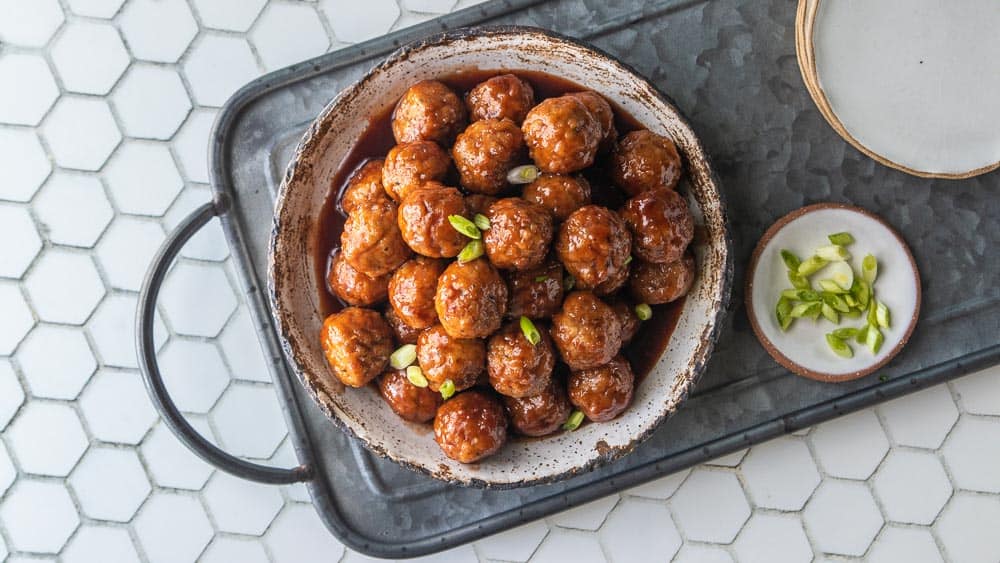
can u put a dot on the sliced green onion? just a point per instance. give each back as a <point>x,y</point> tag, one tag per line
<point>403,356</point>
<point>801,294</point>
<point>415,375</point>
<point>874,339</point>
<point>529,330</point>
<point>842,239</point>
<point>871,314</point>
<point>569,282</point>
<point>525,174</point>
<point>805,309</point>
<point>798,281</point>
<point>539,279</point>
<point>851,301</point>
<point>863,294</point>
<point>464,226</point>
<point>839,347</point>
<point>811,265</point>
<point>628,260</point>
<point>815,313</point>
<point>791,260</point>
<point>447,389</point>
<point>853,314</point>
<point>574,421</point>
<point>833,253</point>
<point>643,311</point>
<point>881,314</point>
<point>862,336</point>
<point>869,269</point>
<point>836,301</point>
<point>481,222</point>
<point>830,314</point>
<point>831,286</point>
<point>845,333</point>
<point>783,312</point>
<point>841,274</point>
<point>473,250</point>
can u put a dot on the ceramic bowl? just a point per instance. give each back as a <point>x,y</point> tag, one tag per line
<point>294,287</point>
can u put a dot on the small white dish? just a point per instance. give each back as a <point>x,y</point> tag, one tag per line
<point>803,348</point>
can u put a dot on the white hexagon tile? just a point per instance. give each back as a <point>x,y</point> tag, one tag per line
<point>103,147</point>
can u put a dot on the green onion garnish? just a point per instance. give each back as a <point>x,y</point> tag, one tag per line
<point>481,221</point>
<point>838,346</point>
<point>403,357</point>
<point>831,286</point>
<point>628,260</point>
<point>447,389</point>
<point>842,239</point>
<point>574,421</point>
<point>473,250</point>
<point>643,311</point>
<point>464,226</point>
<point>805,309</point>
<point>539,279</point>
<point>833,253</point>
<point>811,265</point>
<point>869,269</point>
<point>791,261</point>
<point>415,375</point>
<point>881,314</point>
<point>874,339</point>
<point>569,282</point>
<point>529,330</point>
<point>525,174</point>
<point>845,333</point>
<point>783,312</point>
<point>830,314</point>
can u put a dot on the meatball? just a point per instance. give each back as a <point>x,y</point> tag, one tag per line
<point>561,195</point>
<point>605,116</point>
<point>504,96</point>
<point>428,111</point>
<point>478,203</point>
<point>470,426</point>
<point>364,186</point>
<point>471,299</point>
<point>371,241</point>
<point>562,135</point>
<point>485,152</point>
<point>586,331</point>
<point>423,221</point>
<point>519,235</point>
<point>662,283</point>
<point>603,392</point>
<point>404,333</point>
<point>354,287</point>
<point>617,281</point>
<point>416,404</point>
<point>518,368</point>
<point>536,293</point>
<point>411,291</point>
<point>357,343</point>
<point>409,166</point>
<point>644,161</point>
<point>442,357</point>
<point>593,244</point>
<point>629,320</point>
<point>539,414</point>
<point>661,225</point>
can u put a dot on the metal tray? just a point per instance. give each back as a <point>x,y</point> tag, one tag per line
<point>730,66</point>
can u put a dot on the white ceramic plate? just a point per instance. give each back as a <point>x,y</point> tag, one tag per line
<point>913,83</point>
<point>803,348</point>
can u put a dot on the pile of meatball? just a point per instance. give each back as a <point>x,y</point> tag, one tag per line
<point>575,270</point>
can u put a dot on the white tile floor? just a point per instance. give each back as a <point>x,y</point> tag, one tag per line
<point>105,109</point>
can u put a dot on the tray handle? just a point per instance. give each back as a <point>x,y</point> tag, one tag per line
<point>154,380</point>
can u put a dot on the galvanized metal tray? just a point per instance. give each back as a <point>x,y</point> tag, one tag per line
<point>730,66</point>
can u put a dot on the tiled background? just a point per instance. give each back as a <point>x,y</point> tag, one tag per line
<point>105,109</point>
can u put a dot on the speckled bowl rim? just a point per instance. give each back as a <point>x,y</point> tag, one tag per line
<point>782,359</point>
<point>709,339</point>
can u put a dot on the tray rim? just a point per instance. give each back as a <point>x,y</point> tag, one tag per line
<point>319,489</point>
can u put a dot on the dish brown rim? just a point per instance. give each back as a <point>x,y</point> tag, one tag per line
<point>766,342</point>
<point>805,22</point>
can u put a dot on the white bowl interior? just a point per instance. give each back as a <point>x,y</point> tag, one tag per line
<point>294,287</point>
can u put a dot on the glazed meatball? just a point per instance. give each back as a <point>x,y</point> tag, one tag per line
<point>485,152</point>
<point>478,203</point>
<point>365,185</point>
<point>518,368</point>
<point>644,161</point>
<point>354,287</point>
<point>561,195</point>
<point>539,414</point>
<point>371,241</point>
<point>423,221</point>
<point>409,166</point>
<point>617,281</point>
<point>428,111</point>
<point>404,333</point>
<point>661,225</point>
<point>519,235</point>
<point>411,291</point>
<point>416,404</point>
<point>593,244</point>
<point>471,299</point>
<point>586,331</point>
<point>442,357</point>
<point>629,320</point>
<point>562,135</point>
<point>662,283</point>
<point>603,392</point>
<point>602,111</point>
<point>357,343</point>
<point>536,293</point>
<point>504,96</point>
<point>470,426</point>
